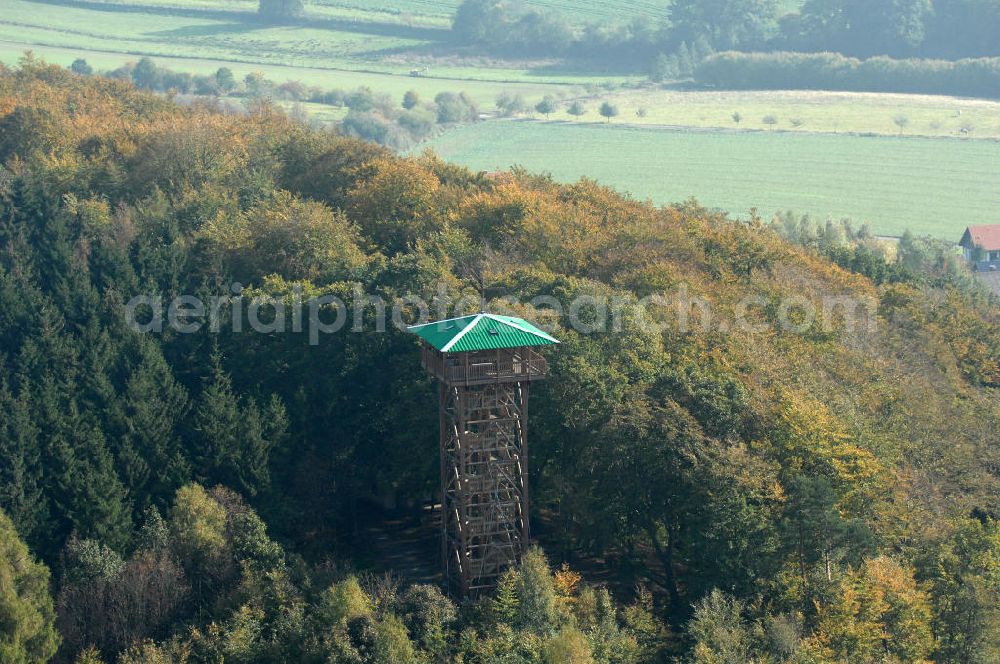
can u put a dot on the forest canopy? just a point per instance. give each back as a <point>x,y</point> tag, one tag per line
<point>949,29</point>
<point>903,39</point>
<point>786,493</point>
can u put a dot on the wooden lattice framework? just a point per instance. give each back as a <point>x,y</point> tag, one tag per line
<point>483,410</point>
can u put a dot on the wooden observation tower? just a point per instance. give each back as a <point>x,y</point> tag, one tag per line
<point>484,364</point>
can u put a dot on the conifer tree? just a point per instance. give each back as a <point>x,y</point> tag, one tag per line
<point>216,427</point>
<point>504,605</point>
<point>233,442</point>
<point>154,404</point>
<point>94,500</point>
<point>21,494</point>
<point>537,609</point>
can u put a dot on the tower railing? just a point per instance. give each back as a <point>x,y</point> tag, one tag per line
<point>508,365</point>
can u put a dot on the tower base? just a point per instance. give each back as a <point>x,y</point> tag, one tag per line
<point>484,470</point>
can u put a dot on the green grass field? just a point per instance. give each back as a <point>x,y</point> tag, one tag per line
<point>329,9</point>
<point>236,38</point>
<point>932,186</point>
<point>361,47</point>
<point>440,12</point>
<point>803,111</point>
<point>578,10</point>
<point>318,113</point>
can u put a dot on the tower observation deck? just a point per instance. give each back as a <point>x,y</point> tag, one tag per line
<point>484,364</point>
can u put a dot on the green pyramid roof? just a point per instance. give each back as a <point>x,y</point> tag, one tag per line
<point>481,332</point>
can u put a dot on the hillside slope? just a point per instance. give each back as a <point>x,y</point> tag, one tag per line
<point>789,461</point>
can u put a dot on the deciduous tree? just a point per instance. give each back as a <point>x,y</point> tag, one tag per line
<point>725,24</point>
<point>546,106</point>
<point>27,632</point>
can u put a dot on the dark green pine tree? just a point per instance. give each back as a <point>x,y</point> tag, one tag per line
<point>216,429</point>
<point>50,235</point>
<point>276,424</point>
<point>816,536</point>
<point>96,392</point>
<point>21,302</point>
<point>152,457</point>
<point>102,394</point>
<point>94,500</point>
<point>84,306</point>
<point>110,266</point>
<point>49,355</point>
<point>46,368</point>
<point>21,494</point>
<point>86,494</point>
<point>160,252</point>
<point>232,443</point>
<point>252,470</point>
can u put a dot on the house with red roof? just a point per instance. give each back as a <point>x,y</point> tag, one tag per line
<point>982,246</point>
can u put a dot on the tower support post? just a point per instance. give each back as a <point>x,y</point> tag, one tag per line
<point>483,464</point>
<point>484,474</point>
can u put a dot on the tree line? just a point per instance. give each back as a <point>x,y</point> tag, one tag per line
<point>371,116</point>
<point>831,71</point>
<point>807,493</point>
<point>935,29</point>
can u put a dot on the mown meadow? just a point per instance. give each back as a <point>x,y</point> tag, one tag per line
<point>236,36</point>
<point>800,111</point>
<point>932,186</point>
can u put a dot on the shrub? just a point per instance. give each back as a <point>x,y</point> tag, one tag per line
<point>453,107</point>
<point>343,602</point>
<point>429,616</point>
<point>373,127</point>
<point>331,97</point>
<point>225,79</point>
<point>295,90</point>
<point>87,560</point>
<point>538,609</point>
<point>206,85</point>
<point>303,239</point>
<point>197,524</point>
<point>418,124</point>
<point>81,67</point>
<point>141,601</point>
<point>362,99</point>
<point>511,104</point>
<point>719,630</point>
<point>569,646</point>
